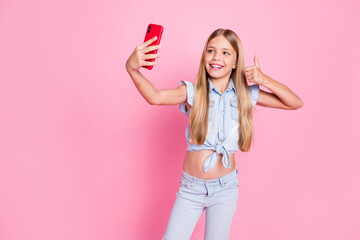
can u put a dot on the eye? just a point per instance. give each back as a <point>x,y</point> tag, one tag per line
<point>227,53</point>
<point>210,50</point>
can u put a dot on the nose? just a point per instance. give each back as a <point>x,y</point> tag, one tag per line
<point>217,56</point>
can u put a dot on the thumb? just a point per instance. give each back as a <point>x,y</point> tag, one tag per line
<point>256,61</point>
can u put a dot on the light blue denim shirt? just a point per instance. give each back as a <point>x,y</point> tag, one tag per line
<point>223,122</point>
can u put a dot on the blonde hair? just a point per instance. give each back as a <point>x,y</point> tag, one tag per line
<point>198,118</point>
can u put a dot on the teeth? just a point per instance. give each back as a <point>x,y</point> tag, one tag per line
<point>216,66</point>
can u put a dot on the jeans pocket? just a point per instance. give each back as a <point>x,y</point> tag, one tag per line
<point>232,183</point>
<point>191,187</point>
<point>186,183</point>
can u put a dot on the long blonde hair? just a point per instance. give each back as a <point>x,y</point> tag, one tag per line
<point>198,118</point>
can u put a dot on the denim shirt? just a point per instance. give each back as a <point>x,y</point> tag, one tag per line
<point>223,122</point>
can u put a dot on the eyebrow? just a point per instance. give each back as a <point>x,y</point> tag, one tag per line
<point>222,48</point>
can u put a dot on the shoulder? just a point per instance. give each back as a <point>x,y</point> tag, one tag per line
<point>190,91</point>
<point>189,85</point>
<point>254,93</point>
<point>254,88</point>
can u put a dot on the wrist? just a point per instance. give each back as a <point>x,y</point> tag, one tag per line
<point>130,70</point>
<point>267,81</point>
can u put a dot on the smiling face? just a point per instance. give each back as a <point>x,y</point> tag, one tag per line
<point>219,58</point>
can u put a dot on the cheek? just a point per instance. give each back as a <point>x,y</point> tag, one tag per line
<point>207,63</point>
<point>232,62</point>
<point>207,58</point>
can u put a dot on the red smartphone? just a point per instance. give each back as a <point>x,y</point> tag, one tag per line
<point>152,31</point>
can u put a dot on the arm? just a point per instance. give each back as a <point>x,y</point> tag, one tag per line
<point>152,95</point>
<point>282,97</point>
<point>158,96</point>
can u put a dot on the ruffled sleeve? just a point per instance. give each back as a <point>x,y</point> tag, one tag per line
<point>190,91</point>
<point>254,93</point>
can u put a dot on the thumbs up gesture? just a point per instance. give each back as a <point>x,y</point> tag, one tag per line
<point>253,73</point>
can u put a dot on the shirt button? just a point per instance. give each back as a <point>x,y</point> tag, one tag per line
<point>222,97</point>
<point>222,112</point>
<point>221,128</point>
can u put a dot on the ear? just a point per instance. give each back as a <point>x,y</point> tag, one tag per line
<point>235,63</point>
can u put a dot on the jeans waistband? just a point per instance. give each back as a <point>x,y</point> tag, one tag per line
<point>221,180</point>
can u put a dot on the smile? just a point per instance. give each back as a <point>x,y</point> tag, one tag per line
<point>216,66</point>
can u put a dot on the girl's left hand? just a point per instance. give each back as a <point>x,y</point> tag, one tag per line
<point>253,73</point>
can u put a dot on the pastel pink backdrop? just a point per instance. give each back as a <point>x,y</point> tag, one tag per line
<point>83,156</point>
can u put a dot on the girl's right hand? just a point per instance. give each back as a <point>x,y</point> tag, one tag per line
<point>138,57</point>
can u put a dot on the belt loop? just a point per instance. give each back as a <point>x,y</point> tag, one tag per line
<point>221,180</point>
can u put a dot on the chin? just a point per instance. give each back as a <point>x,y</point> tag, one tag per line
<point>217,75</point>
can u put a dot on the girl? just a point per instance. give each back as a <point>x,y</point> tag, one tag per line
<point>219,111</point>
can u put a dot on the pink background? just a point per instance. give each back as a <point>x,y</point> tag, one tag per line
<point>83,156</point>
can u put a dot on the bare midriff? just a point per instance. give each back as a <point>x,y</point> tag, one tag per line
<point>194,161</point>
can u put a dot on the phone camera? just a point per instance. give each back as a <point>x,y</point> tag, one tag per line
<point>149,29</point>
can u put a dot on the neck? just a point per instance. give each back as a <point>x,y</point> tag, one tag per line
<point>221,83</point>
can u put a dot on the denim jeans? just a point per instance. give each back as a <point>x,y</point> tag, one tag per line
<point>219,198</point>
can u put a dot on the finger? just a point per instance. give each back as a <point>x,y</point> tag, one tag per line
<point>250,78</point>
<point>256,60</point>
<point>150,56</point>
<point>250,68</point>
<point>146,63</point>
<point>249,72</point>
<point>147,43</point>
<point>151,48</point>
